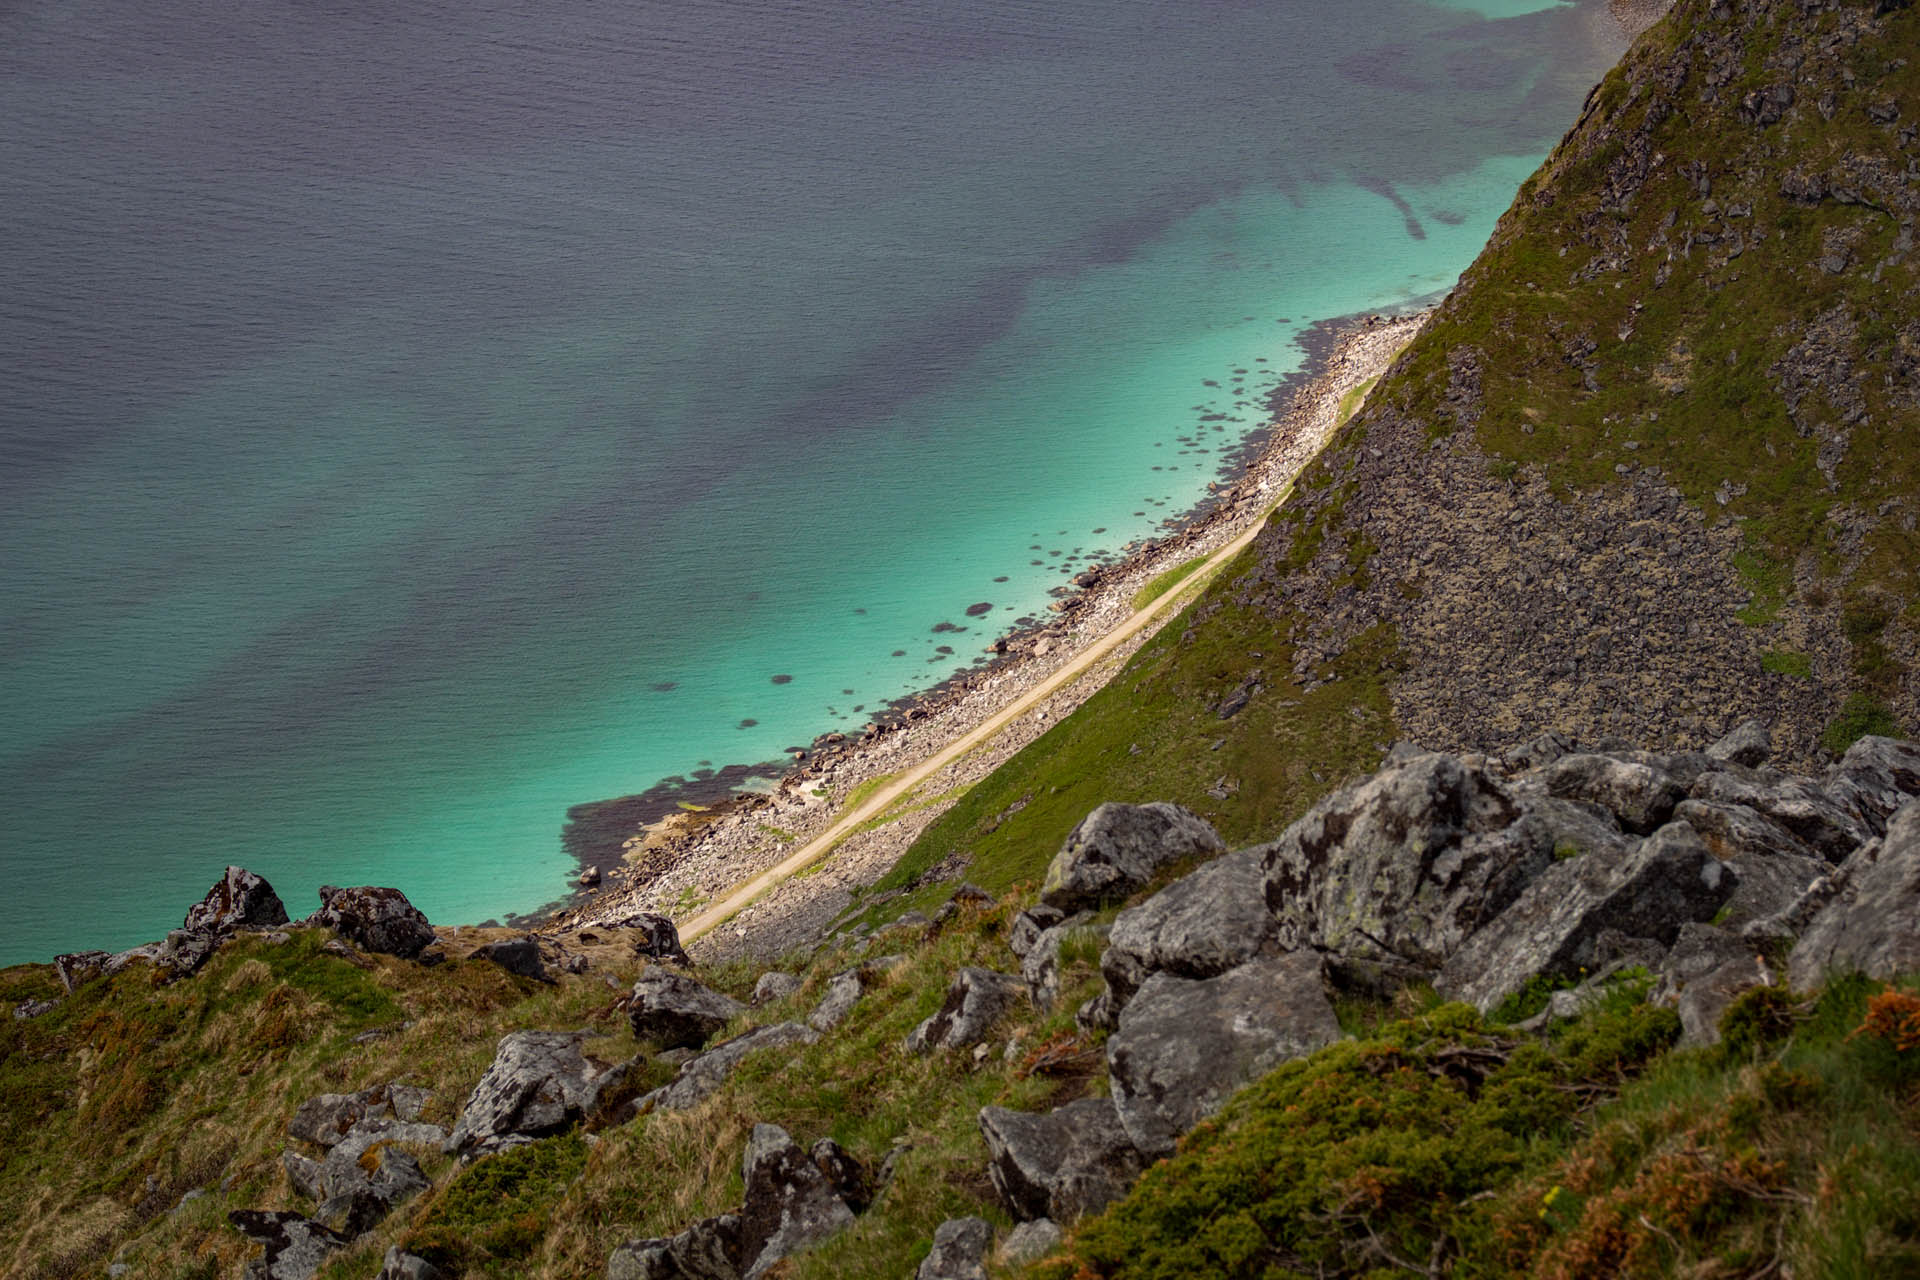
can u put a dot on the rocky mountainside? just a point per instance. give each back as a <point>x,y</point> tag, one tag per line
<point>1653,468</point>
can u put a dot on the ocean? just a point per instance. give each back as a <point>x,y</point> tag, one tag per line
<point>417,422</point>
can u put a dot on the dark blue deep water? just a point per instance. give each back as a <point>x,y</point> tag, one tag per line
<point>416,420</point>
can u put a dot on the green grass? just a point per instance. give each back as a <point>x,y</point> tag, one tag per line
<point>1161,583</point>
<point>1859,716</point>
<point>1784,662</point>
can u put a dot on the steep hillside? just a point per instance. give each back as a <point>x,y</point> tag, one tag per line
<point>1654,468</point>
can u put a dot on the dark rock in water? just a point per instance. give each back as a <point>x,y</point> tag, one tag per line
<point>378,919</point>
<point>539,1083</point>
<point>1641,796</point>
<point>516,955</point>
<point>700,1076</point>
<point>1404,866</point>
<point>976,1000</point>
<point>400,1265</point>
<point>1064,1165</point>
<point>1118,848</point>
<point>1794,803</point>
<point>980,610</point>
<point>676,1012</point>
<point>295,1246</point>
<point>1749,744</point>
<point>1871,923</point>
<point>1205,923</point>
<point>241,900</point>
<point>1554,928</point>
<point>783,679</point>
<point>959,1251</point>
<point>1185,1046</point>
<point>1875,778</point>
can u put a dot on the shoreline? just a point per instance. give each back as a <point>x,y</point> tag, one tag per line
<point>682,861</point>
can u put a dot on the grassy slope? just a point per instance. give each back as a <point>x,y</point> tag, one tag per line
<point>1691,388</point>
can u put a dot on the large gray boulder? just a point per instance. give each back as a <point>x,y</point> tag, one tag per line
<point>1748,744</point>
<point>1702,974</point>
<point>1871,923</point>
<point>1875,778</point>
<point>1736,832</point>
<point>539,1083</point>
<point>959,1251</point>
<point>1205,923</point>
<point>377,919</point>
<point>1186,1045</point>
<point>1830,829</point>
<point>790,1202</point>
<point>326,1118</point>
<point>1554,929</point>
<point>700,1077</point>
<point>707,1250</point>
<point>520,956</point>
<point>240,900</point>
<point>1641,795</point>
<point>295,1245</point>
<point>675,1012</point>
<point>1070,1162</point>
<point>1118,848</point>
<point>1404,866</point>
<point>976,1000</point>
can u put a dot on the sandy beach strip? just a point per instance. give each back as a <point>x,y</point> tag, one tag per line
<point>732,877</point>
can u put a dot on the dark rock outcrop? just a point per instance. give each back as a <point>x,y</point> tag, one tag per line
<point>519,956</point>
<point>240,900</point>
<point>1070,1162</point>
<point>1800,806</point>
<point>377,919</point>
<point>1186,1045</point>
<point>539,1083</point>
<point>1205,923</point>
<point>1554,929</point>
<point>1872,921</point>
<point>295,1246</point>
<point>1118,848</point>
<point>1702,974</point>
<point>1641,796</point>
<point>976,1000</point>
<point>675,1012</point>
<point>959,1251</point>
<point>1875,778</point>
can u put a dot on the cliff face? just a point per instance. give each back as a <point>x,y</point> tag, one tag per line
<point>1652,469</point>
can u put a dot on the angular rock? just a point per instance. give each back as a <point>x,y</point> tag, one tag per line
<point>1029,1242</point>
<point>959,1251</point>
<point>1871,924</point>
<point>1554,928</point>
<point>1029,925</point>
<point>789,1205</point>
<point>976,1000</point>
<point>1734,832</point>
<point>843,992</point>
<point>658,940</point>
<point>295,1246</point>
<point>1641,796</point>
<point>1205,923</point>
<point>1040,967</point>
<point>303,1174</point>
<point>850,1179</point>
<point>377,919</point>
<point>1875,778</point>
<point>1070,1162</point>
<point>1748,744</point>
<point>519,956</point>
<point>240,900</point>
<point>1540,751</point>
<point>1186,1045</point>
<point>675,1012</point>
<point>774,985</point>
<point>1403,866</point>
<point>76,967</point>
<point>326,1118</point>
<point>1118,848</point>
<point>708,1250</point>
<point>1809,813</point>
<point>539,1083</point>
<point>1702,974</point>
<point>400,1265</point>
<point>701,1076</point>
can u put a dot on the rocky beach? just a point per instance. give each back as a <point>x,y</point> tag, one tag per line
<point>682,863</point>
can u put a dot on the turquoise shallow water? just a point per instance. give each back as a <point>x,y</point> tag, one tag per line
<point>413,425</point>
